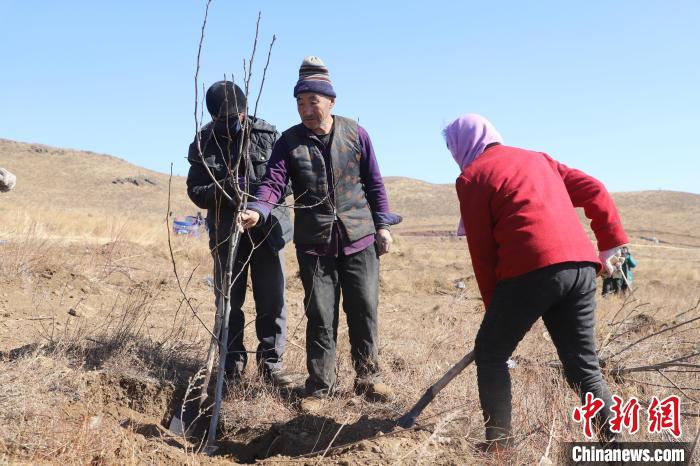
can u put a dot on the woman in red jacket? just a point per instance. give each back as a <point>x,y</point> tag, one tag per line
<point>532,259</point>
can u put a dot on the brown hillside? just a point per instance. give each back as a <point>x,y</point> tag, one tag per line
<point>98,343</point>
<point>672,217</point>
<point>57,183</point>
<point>71,193</point>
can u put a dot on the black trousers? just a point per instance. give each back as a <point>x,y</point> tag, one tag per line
<point>356,277</point>
<point>613,285</point>
<point>564,296</point>
<point>267,275</point>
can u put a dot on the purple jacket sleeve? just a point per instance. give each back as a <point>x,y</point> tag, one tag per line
<point>274,182</point>
<point>374,184</point>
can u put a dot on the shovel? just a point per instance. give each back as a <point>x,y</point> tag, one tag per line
<point>185,421</point>
<point>408,419</point>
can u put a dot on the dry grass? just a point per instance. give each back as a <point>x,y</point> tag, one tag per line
<point>69,195</point>
<point>94,385</point>
<point>425,328</point>
<point>94,392</point>
<point>259,421</point>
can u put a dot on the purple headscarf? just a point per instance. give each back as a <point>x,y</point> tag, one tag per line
<point>467,137</point>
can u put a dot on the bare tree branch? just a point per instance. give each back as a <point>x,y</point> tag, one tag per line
<point>262,82</point>
<point>172,259</point>
<point>667,329</point>
<point>676,386</point>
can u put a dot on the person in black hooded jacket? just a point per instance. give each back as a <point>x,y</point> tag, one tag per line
<point>260,250</point>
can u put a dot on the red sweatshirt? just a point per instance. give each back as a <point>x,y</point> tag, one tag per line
<point>518,212</point>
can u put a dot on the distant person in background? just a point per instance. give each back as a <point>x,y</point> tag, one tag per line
<point>200,221</point>
<point>531,258</point>
<point>260,251</point>
<point>616,282</point>
<point>609,285</point>
<point>621,278</point>
<point>627,264</point>
<point>7,180</point>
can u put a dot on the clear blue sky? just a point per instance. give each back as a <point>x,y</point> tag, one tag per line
<point>612,88</point>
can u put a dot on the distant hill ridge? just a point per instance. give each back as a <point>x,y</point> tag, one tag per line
<point>68,180</point>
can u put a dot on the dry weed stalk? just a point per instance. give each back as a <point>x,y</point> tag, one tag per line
<point>544,460</point>
<point>668,335</point>
<point>27,254</point>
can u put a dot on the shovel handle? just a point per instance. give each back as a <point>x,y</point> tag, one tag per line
<point>408,419</point>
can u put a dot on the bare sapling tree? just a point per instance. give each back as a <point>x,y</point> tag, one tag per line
<point>237,194</point>
<point>223,312</point>
<point>236,190</point>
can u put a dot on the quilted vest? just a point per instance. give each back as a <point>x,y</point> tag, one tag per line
<point>320,201</point>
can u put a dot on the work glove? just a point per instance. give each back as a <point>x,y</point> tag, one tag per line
<point>7,180</point>
<point>609,258</point>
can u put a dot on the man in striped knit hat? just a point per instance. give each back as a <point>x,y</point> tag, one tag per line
<point>341,227</point>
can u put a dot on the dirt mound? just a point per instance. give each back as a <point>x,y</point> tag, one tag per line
<point>141,394</point>
<point>306,436</point>
<point>53,412</point>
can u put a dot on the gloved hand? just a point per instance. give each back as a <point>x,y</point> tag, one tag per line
<point>7,180</point>
<point>609,258</point>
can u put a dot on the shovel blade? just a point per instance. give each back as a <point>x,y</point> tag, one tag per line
<point>186,419</point>
<point>407,420</point>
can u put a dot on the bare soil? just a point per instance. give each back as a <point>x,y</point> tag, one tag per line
<point>98,345</point>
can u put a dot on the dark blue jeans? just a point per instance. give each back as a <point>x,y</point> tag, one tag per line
<point>564,296</point>
<point>324,278</point>
<point>267,274</point>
